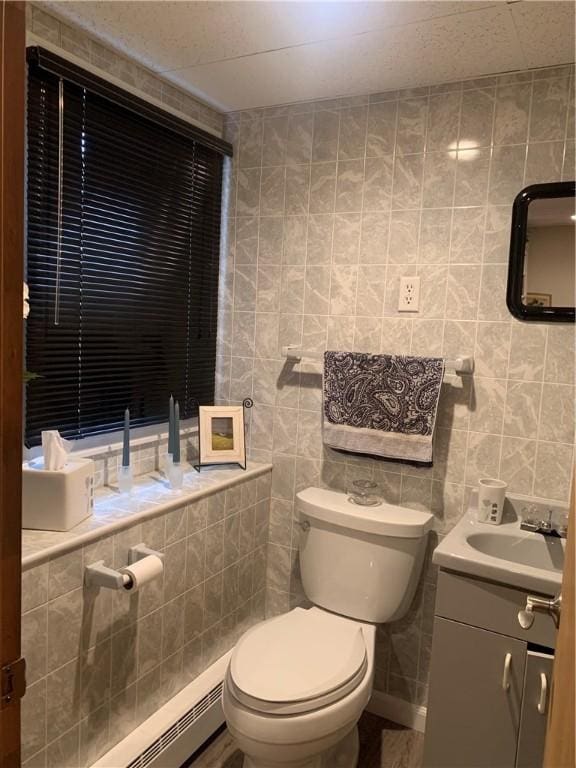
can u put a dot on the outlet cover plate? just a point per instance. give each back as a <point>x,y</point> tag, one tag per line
<point>409,294</point>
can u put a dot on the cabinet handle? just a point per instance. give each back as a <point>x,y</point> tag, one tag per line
<point>506,673</point>
<point>543,693</point>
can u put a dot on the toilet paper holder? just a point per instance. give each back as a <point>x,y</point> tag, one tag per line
<point>99,575</point>
<point>140,551</point>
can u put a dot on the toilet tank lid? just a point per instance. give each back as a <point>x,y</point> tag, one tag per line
<point>383,519</point>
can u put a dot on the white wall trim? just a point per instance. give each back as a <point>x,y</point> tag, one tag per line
<point>399,711</point>
<point>32,39</point>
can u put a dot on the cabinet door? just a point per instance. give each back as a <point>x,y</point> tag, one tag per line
<point>475,698</point>
<point>534,714</point>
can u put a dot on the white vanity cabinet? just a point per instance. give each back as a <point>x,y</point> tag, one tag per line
<point>490,679</point>
<point>534,715</point>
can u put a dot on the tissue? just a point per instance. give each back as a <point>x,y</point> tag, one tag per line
<point>55,450</point>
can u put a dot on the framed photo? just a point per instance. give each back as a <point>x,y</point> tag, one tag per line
<point>221,430</point>
<point>538,299</point>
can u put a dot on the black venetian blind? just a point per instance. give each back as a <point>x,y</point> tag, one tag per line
<point>124,293</point>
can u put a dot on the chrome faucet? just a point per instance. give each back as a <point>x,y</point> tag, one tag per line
<point>544,527</point>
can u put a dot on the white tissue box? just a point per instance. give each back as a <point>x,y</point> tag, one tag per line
<point>59,499</point>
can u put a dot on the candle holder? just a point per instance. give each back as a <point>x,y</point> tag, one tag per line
<point>125,479</point>
<point>175,475</point>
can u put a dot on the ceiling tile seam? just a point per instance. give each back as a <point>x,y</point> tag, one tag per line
<point>517,31</point>
<point>339,38</point>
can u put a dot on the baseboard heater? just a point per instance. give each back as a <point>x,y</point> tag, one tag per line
<point>176,730</point>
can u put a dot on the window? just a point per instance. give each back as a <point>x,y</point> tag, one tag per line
<point>123,241</point>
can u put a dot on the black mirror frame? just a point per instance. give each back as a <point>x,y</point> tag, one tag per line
<point>517,253</point>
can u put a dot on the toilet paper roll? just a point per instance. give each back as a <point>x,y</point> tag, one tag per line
<point>141,572</point>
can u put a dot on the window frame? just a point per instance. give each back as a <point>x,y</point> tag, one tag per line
<point>62,68</point>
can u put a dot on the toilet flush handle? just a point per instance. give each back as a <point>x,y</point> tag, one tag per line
<point>304,525</point>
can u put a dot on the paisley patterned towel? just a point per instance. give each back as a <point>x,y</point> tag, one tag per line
<point>384,405</point>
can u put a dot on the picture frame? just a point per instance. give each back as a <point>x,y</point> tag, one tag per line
<point>538,299</point>
<point>221,435</point>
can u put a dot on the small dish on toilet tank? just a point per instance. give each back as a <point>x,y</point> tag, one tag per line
<point>365,493</point>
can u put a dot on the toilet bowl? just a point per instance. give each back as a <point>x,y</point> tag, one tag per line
<point>296,687</point>
<point>297,684</point>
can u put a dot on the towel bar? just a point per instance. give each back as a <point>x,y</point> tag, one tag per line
<point>297,354</point>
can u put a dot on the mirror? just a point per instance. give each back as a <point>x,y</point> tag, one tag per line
<point>541,271</point>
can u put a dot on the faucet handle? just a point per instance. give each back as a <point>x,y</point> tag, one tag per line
<point>529,512</point>
<point>546,525</point>
<point>529,524</point>
<point>529,519</point>
<point>562,526</point>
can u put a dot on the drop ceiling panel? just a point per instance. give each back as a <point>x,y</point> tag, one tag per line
<point>171,35</point>
<point>438,51</point>
<point>546,31</point>
<point>238,55</point>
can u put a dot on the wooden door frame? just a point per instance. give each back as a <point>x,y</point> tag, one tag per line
<point>12,126</point>
<point>561,733</point>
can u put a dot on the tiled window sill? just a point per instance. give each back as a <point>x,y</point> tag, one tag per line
<point>113,511</point>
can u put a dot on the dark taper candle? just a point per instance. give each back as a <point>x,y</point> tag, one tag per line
<point>126,443</point>
<point>176,436</point>
<point>171,426</point>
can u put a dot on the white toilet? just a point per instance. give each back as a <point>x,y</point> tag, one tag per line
<point>297,684</point>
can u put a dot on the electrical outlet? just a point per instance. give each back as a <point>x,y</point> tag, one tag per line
<point>409,294</point>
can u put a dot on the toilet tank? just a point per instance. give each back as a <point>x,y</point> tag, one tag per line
<point>361,562</point>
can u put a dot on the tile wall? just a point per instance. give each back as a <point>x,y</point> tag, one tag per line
<point>74,40</point>
<point>101,662</point>
<point>331,203</point>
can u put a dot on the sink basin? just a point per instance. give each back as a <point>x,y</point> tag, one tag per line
<point>504,553</point>
<point>538,552</point>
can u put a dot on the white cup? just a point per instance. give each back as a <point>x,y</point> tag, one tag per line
<point>491,495</point>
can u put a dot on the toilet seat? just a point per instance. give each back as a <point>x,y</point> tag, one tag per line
<point>298,662</point>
